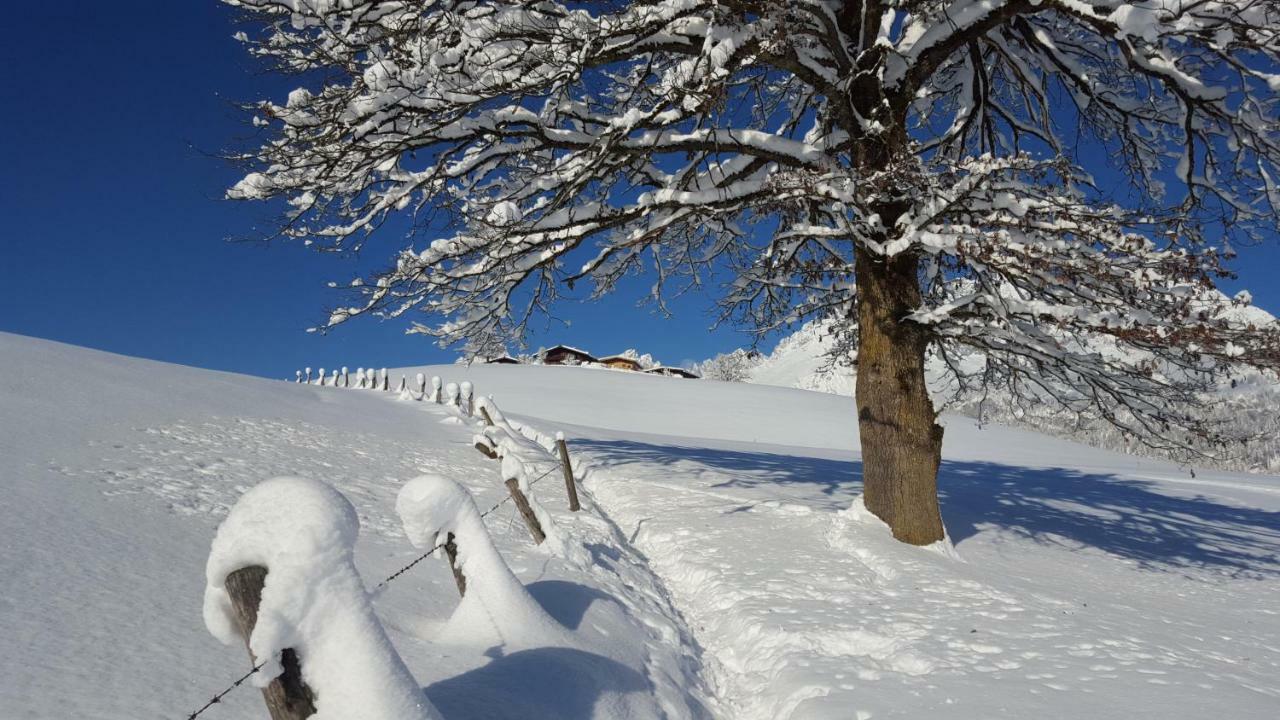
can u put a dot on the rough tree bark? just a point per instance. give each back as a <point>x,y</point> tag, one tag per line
<point>901,439</point>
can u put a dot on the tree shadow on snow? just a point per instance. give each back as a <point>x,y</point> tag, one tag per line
<point>1126,517</point>
<point>550,683</point>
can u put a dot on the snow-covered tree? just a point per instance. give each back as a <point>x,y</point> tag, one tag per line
<point>733,366</point>
<point>644,360</point>
<point>1054,184</point>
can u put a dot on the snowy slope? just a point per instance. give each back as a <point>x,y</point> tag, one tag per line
<point>723,572</point>
<point>116,472</point>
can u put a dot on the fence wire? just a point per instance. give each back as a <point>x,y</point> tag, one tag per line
<point>256,668</point>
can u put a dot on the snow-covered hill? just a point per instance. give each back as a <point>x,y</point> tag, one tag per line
<point>716,570</point>
<point>802,360</point>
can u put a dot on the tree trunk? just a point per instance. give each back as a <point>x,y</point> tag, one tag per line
<point>901,439</point>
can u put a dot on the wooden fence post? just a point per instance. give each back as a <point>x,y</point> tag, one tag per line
<point>484,413</point>
<point>308,376</point>
<point>346,377</point>
<point>297,376</point>
<point>386,384</point>
<point>526,511</point>
<point>486,449</point>
<point>404,383</point>
<point>287,696</point>
<point>451,549</point>
<point>569,484</point>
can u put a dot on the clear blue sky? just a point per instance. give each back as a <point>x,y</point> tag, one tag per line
<point>114,231</point>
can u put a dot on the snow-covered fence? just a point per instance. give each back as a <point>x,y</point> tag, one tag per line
<point>308,555</point>
<point>498,440</point>
<point>281,578</point>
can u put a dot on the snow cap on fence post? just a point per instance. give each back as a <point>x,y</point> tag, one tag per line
<point>322,377</point>
<point>435,389</point>
<point>467,390</point>
<point>359,377</point>
<point>308,375</point>
<point>297,376</point>
<point>451,394</point>
<point>334,378</point>
<point>303,532</point>
<point>496,607</point>
<point>346,377</point>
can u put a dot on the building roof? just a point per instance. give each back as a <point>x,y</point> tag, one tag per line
<point>679,372</point>
<point>568,349</point>
<point>624,358</point>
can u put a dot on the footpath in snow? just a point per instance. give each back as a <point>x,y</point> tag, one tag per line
<point>1082,583</point>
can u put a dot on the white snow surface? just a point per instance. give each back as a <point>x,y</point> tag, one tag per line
<point>730,571</point>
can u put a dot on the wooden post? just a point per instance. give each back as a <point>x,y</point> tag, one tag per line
<point>451,549</point>
<point>346,377</point>
<point>569,484</point>
<point>386,385</point>
<point>297,376</point>
<point>486,449</point>
<point>526,512</point>
<point>484,413</point>
<point>287,696</point>
<point>404,383</point>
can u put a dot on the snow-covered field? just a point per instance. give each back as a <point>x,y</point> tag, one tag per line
<point>716,570</point>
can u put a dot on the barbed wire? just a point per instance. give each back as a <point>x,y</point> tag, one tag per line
<point>256,668</point>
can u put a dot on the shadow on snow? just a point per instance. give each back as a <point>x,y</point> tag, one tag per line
<point>1126,517</point>
<point>550,682</point>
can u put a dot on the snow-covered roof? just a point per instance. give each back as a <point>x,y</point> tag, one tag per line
<point>665,370</point>
<point>627,358</point>
<point>568,348</point>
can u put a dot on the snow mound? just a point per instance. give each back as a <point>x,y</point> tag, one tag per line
<point>304,532</point>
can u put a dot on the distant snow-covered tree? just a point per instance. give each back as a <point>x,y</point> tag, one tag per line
<point>1019,178</point>
<point>734,366</point>
<point>644,360</point>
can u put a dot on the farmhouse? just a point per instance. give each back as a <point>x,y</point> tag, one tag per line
<point>565,355</point>
<point>671,372</point>
<point>620,362</point>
